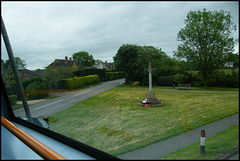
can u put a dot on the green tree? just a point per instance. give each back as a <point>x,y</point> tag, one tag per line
<point>134,59</point>
<point>37,85</point>
<point>83,58</point>
<point>2,64</point>
<point>127,60</point>
<point>19,63</point>
<point>207,40</point>
<point>53,73</point>
<point>234,58</point>
<point>10,75</point>
<point>179,78</point>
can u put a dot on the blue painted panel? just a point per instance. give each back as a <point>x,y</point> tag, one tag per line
<point>12,148</point>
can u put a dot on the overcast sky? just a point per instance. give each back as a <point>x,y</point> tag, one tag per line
<point>41,32</point>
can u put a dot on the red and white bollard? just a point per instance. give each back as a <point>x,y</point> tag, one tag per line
<point>202,141</point>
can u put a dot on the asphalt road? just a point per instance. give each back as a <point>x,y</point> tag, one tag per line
<point>52,106</point>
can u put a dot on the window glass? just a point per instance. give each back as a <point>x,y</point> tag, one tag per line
<point>71,55</point>
<point>11,85</point>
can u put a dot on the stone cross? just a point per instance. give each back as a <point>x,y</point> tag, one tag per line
<point>150,69</point>
<point>150,99</point>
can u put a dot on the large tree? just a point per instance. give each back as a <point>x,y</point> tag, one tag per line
<point>206,40</point>
<point>83,58</point>
<point>19,63</point>
<point>134,59</point>
<point>54,73</point>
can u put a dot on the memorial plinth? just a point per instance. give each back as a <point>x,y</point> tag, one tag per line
<point>151,100</point>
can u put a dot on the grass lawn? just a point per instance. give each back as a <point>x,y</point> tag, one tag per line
<point>216,147</point>
<point>113,121</point>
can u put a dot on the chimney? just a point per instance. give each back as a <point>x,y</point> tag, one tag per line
<point>66,58</point>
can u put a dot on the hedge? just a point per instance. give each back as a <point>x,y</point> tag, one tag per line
<point>13,99</point>
<point>36,94</point>
<point>27,82</point>
<point>164,81</point>
<point>114,75</point>
<point>85,72</point>
<point>102,74</point>
<point>221,79</point>
<point>217,79</point>
<point>78,82</point>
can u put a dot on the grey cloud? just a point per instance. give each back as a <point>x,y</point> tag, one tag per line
<point>41,32</point>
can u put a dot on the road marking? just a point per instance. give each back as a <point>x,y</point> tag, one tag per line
<point>81,93</point>
<point>48,104</point>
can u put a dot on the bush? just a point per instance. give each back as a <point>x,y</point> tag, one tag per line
<point>36,85</point>
<point>26,83</point>
<point>165,81</point>
<point>85,72</point>
<point>91,79</point>
<point>37,89</point>
<point>114,75</point>
<point>13,99</point>
<point>102,74</point>
<point>78,82</point>
<point>36,94</point>
<point>12,88</point>
<point>232,80</point>
<point>136,83</point>
<point>179,78</point>
<point>221,79</point>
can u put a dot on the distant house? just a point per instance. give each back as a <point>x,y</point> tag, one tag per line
<point>28,74</point>
<point>65,63</point>
<point>229,64</point>
<point>105,65</point>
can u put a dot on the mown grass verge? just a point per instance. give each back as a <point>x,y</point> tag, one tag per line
<point>113,121</point>
<point>216,147</point>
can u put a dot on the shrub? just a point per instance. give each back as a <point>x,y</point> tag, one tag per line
<point>114,75</point>
<point>221,79</point>
<point>232,80</point>
<point>165,81</point>
<point>12,99</point>
<point>78,82</point>
<point>67,84</point>
<point>37,85</point>
<point>12,88</point>
<point>85,72</point>
<point>37,89</point>
<point>179,78</point>
<point>136,83</point>
<point>36,94</point>
<point>102,74</point>
<point>91,79</point>
<point>27,82</point>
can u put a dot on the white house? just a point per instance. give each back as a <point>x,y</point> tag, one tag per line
<point>105,65</point>
<point>229,64</point>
